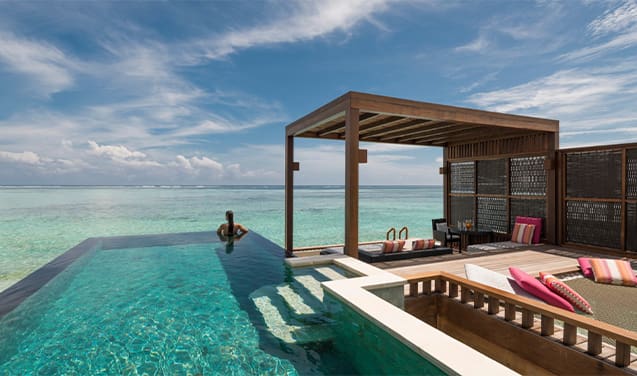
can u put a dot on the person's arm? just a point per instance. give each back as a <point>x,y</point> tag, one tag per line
<point>241,228</point>
<point>220,229</point>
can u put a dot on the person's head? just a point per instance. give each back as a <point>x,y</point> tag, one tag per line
<point>230,216</point>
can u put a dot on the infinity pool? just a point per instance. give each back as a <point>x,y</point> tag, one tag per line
<point>136,306</point>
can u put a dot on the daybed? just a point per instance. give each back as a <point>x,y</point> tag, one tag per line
<point>527,235</point>
<point>372,253</point>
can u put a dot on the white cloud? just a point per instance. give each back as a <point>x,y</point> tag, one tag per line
<point>207,163</point>
<point>303,20</point>
<point>480,45</point>
<point>615,20</point>
<point>564,92</point>
<point>27,157</point>
<point>618,24</point>
<point>48,66</point>
<point>115,151</point>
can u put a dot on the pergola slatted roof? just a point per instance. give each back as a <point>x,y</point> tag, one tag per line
<point>401,121</point>
<point>356,117</point>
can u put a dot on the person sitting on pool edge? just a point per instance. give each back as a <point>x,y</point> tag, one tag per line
<point>231,228</point>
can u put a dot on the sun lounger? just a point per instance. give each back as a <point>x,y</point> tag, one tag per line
<point>372,253</point>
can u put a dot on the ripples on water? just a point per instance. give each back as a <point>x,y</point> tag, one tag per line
<point>37,224</point>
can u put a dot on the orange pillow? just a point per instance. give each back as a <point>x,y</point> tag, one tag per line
<point>616,272</point>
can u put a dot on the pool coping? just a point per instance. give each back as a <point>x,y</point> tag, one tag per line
<point>15,294</point>
<point>442,350</point>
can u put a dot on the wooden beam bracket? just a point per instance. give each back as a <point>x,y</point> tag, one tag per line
<point>362,155</point>
<point>442,171</point>
<point>296,166</point>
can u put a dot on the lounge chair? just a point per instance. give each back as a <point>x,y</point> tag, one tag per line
<point>442,233</point>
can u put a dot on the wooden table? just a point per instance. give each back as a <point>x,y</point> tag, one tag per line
<point>468,237</point>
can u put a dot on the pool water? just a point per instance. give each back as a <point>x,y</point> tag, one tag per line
<point>209,308</point>
<point>146,310</point>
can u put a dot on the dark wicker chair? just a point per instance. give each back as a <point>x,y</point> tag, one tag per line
<point>444,237</point>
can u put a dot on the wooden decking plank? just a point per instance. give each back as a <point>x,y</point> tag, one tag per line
<point>530,261</point>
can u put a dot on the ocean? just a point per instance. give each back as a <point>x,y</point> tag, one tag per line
<point>39,223</point>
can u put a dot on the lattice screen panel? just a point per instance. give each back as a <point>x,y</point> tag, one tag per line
<point>527,176</point>
<point>492,214</point>
<point>594,223</point>
<point>492,177</point>
<point>631,174</point>
<point>528,208</point>
<point>461,208</point>
<point>594,174</point>
<point>631,227</point>
<point>462,177</point>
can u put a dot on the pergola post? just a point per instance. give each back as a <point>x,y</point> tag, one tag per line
<point>552,192</point>
<point>289,195</point>
<point>351,181</point>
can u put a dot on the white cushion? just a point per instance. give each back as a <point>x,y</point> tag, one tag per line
<point>441,226</point>
<point>500,281</point>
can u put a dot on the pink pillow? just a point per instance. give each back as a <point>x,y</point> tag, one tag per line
<point>536,288</point>
<point>532,221</point>
<point>585,265</point>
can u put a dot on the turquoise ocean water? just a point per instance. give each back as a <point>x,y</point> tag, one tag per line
<point>37,224</point>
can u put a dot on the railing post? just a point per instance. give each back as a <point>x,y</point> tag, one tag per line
<point>464,294</point>
<point>622,354</point>
<point>570,334</point>
<point>594,343</point>
<point>509,311</point>
<point>478,299</point>
<point>440,285</point>
<point>413,289</point>
<point>453,290</point>
<point>548,326</point>
<point>494,305</point>
<point>426,287</point>
<point>527,318</point>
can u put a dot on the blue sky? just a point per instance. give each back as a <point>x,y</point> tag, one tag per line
<point>200,92</point>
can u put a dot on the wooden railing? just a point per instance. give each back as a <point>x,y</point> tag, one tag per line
<point>459,288</point>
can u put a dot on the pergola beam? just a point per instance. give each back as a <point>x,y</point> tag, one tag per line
<point>423,110</point>
<point>400,128</point>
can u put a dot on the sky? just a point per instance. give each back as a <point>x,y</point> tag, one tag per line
<point>200,92</point>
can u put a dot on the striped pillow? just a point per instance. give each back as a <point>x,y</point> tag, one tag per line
<point>390,246</point>
<point>523,233</point>
<point>423,244</point>
<point>616,272</point>
<point>566,292</point>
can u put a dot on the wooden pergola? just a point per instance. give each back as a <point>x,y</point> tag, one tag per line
<point>465,134</point>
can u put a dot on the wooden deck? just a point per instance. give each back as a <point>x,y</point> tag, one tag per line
<point>531,261</point>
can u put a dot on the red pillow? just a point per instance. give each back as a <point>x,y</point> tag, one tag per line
<point>536,288</point>
<point>532,221</point>
<point>585,265</point>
